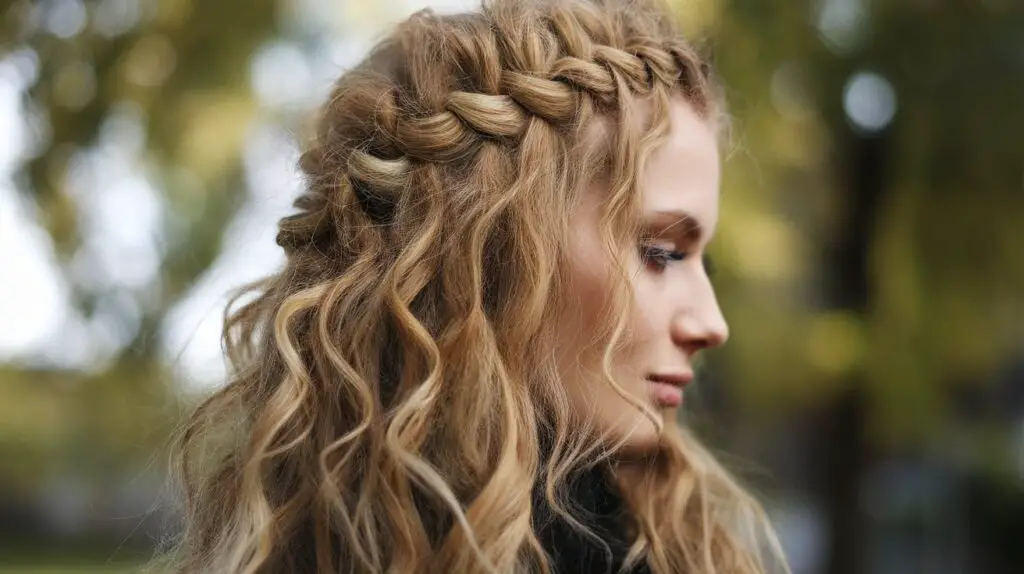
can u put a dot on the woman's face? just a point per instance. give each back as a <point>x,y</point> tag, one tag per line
<point>676,312</point>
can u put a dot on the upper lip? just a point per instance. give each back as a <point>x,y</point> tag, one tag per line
<point>677,379</point>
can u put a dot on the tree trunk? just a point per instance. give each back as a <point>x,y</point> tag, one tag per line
<point>842,455</point>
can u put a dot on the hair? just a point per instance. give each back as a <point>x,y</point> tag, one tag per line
<point>394,399</point>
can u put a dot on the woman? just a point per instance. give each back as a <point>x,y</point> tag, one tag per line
<point>493,299</point>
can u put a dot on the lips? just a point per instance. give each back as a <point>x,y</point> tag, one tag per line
<point>667,388</point>
<point>680,379</point>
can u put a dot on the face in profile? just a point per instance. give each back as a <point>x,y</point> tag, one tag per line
<point>676,314</point>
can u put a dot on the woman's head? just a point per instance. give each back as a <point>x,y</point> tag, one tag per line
<point>473,303</point>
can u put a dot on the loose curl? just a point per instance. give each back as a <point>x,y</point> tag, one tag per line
<point>394,400</point>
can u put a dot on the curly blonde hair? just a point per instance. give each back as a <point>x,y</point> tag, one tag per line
<point>394,400</point>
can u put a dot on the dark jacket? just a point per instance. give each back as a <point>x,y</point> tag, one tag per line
<point>603,510</point>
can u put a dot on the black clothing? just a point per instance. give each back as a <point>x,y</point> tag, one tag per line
<point>597,504</point>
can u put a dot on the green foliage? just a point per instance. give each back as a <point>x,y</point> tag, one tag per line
<point>944,273</point>
<point>945,278</point>
<point>184,67</point>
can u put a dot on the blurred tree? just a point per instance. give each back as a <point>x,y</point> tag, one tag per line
<point>880,216</point>
<point>181,67</point>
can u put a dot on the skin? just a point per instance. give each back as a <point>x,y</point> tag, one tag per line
<point>676,311</point>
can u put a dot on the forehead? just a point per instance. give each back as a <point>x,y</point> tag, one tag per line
<point>683,173</point>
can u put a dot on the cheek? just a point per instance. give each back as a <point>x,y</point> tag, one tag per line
<point>588,296</point>
<point>588,287</point>
<point>648,308</point>
<point>587,329</point>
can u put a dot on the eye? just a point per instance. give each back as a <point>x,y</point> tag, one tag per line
<point>659,257</point>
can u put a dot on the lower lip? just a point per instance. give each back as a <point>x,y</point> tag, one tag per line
<point>666,395</point>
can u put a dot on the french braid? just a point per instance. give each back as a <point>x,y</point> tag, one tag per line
<point>497,81</point>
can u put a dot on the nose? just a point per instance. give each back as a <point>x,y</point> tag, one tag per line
<point>700,324</point>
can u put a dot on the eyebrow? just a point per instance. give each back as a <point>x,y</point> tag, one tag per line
<point>676,222</point>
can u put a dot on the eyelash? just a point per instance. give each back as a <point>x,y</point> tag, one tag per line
<point>662,258</point>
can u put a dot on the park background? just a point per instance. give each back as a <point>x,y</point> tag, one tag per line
<point>869,259</point>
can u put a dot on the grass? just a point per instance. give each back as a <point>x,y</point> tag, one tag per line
<point>85,556</point>
<point>68,569</point>
<point>57,562</point>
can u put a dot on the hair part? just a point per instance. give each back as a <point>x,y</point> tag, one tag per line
<point>394,399</point>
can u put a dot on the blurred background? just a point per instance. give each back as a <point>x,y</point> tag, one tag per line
<point>870,259</point>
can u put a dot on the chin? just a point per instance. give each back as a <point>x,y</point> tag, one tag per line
<point>638,435</point>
